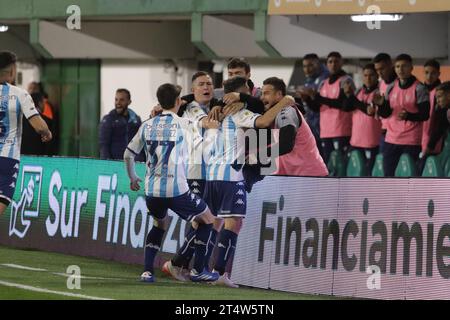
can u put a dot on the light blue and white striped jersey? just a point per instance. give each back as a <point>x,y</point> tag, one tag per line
<point>14,102</point>
<point>167,139</point>
<point>196,166</point>
<point>224,148</point>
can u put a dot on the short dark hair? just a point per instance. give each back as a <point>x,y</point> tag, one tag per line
<point>334,54</point>
<point>199,74</point>
<point>404,57</point>
<point>167,95</point>
<point>370,66</point>
<point>7,58</point>
<point>382,57</point>
<point>310,56</point>
<point>445,86</point>
<point>433,63</point>
<point>277,83</point>
<point>126,91</point>
<point>233,84</point>
<point>234,63</point>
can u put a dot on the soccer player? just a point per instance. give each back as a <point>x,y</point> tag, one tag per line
<point>440,123</point>
<point>366,127</point>
<point>196,110</point>
<point>335,122</point>
<point>385,69</point>
<point>166,138</point>
<point>315,73</point>
<point>224,192</point>
<point>405,105</point>
<point>432,81</point>
<point>298,152</point>
<point>14,102</point>
<point>238,67</point>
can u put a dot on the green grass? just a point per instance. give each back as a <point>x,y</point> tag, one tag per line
<point>123,282</point>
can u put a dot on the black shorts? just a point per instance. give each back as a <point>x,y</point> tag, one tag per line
<point>9,170</point>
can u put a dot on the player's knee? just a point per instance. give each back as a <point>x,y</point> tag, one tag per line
<point>194,224</point>
<point>205,218</point>
<point>218,223</point>
<point>161,223</point>
<point>234,224</point>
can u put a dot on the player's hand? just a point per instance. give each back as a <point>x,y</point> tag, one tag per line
<point>378,99</point>
<point>288,100</point>
<point>402,115</point>
<point>214,114</point>
<point>371,109</point>
<point>134,184</point>
<point>156,110</point>
<point>306,93</point>
<point>233,108</point>
<point>427,152</point>
<point>231,97</point>
<point>46,137</point>
<point>210,124</point>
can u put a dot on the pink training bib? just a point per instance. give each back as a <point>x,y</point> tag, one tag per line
<point>334,123</point>
<point>304,159</point>
<point>401,131</point>
<point>366,130</point>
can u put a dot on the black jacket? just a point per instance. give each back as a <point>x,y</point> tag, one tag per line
<point>116,131</point>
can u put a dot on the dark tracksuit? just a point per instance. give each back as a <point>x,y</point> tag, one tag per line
<point>116,131</point>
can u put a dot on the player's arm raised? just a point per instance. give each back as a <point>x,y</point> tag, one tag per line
<point>269,116</point>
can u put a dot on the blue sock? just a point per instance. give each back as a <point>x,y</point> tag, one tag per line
<point>226,246</point>
<point>211,245</point>
<point>152,246</point>
<point>201,241</point>
<point>183,256</point>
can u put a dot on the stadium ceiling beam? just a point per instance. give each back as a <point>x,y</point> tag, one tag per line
<point>34,39</point>
<point>197,36</point>
<point>51,9</point>
<point>260,26</point>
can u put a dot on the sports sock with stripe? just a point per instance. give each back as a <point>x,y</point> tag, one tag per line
<point>184,255</point>
<point>226,246</point>
<point>152,246</point>
<point>202,238</point>
<point>211,245</point>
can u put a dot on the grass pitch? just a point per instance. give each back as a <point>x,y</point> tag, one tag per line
<point>26,274</point>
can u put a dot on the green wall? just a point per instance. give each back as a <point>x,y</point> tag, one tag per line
<point>74,88</point>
